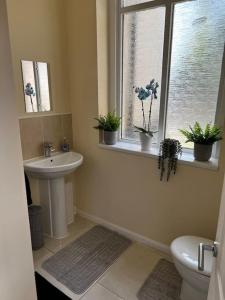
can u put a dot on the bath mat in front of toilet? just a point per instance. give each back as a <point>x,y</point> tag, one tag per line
<point>164,283</point>
<point>80,264</point>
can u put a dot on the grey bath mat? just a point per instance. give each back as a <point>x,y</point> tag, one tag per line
<point>79,264</point>
<point>164,283</point>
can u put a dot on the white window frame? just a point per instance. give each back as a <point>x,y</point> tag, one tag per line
<point>115,65</point>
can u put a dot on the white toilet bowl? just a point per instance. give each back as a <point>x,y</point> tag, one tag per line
<point>185,255</point>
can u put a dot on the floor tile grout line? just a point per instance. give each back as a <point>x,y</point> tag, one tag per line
<point>49,250</point>
<point>71,239</point>
<point>98,281</point>
<point>106,288</point>
<point>101,277</point>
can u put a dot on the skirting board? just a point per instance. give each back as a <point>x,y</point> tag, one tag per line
<point>129,234</point>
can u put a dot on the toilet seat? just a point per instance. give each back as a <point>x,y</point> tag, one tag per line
<point>185,250</point>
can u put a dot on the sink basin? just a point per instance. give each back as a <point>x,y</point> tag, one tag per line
<point>57,165</point>
<point>51,171</point>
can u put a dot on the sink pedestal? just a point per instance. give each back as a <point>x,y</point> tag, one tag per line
<point>52,198</point>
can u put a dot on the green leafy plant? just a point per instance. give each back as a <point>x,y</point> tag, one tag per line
<point>110,122</point>
<point>169,151</point>
<point>198,135</point>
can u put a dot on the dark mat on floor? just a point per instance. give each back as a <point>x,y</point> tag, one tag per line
<point>164,283</point>
<point>47,291</point>
<point>82,262</point>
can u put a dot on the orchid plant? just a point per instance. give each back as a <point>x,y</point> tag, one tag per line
<point>143,94</point>
<point>29,91</point>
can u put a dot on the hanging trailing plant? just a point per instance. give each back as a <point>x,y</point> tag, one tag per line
<point>169,151</point>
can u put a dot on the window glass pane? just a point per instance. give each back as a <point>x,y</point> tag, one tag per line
<point>197,50</point>
<point>143,35</point>
<point>125,3</point>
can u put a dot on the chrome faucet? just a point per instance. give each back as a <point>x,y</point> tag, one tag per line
<point>48,149</point>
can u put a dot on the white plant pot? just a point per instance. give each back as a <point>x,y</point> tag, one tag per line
<point>146,141</point>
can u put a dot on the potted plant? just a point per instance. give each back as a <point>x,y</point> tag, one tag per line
<point>169,151</point>
<point>203,139</point>
<point>110,125</point>
<point>145,131</point>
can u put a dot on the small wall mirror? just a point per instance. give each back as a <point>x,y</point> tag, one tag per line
<point>36,86</point>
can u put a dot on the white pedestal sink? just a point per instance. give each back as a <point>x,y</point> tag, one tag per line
<point>51,171</point>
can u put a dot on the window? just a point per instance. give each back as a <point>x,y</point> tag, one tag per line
<point>181,45</point>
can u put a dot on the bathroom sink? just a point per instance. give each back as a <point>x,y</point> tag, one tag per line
<point>58,165</point>
<point>51,172</point>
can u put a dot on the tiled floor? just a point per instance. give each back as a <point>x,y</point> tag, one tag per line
<point>121,281</point>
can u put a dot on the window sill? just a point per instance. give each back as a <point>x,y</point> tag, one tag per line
<point>186,158</point>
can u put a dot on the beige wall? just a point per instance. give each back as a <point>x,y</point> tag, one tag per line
<point>37,33</point>
<point>125,189</point>
<point>16,266</point>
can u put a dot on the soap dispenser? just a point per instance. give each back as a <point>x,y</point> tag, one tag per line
<point>65,147</point>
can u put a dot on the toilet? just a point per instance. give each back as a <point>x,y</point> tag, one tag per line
<point>185,256</point>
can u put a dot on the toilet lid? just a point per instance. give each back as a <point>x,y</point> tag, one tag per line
<point>185,250</point>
